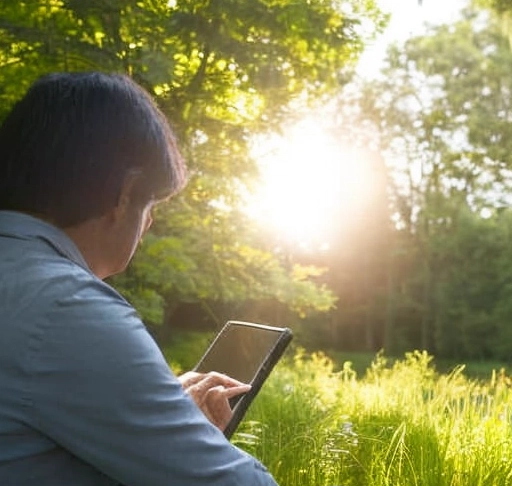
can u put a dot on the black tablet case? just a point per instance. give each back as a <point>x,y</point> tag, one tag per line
<point>247,352</point>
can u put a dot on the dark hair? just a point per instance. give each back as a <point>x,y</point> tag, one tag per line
<point>68,145</point>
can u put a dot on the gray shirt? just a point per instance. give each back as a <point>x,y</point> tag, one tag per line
<point>86,397</point>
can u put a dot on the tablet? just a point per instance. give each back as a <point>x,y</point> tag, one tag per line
<point>247,352</point>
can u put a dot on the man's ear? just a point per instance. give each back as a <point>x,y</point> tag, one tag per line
<point>126,195</point>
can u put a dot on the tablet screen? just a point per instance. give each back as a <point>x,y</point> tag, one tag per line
<point>240,350</point>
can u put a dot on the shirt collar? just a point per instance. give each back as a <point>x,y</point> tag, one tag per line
<point>14,224</point>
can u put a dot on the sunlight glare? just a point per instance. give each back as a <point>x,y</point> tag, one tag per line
<point>311,186</point>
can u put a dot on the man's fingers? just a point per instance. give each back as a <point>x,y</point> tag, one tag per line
<point>213,378</point>
<point>211,393</point>
<point>208,388</point>
<point>236,390</point>
<point>190,378</point>
<point>208,380</point>
<point>212,396</point>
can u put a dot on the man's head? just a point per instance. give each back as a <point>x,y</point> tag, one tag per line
<point>90,153</point>
<point>70,144</point>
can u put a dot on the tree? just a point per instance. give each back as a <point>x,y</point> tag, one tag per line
<point>222,71</point>
<point>443,124</point>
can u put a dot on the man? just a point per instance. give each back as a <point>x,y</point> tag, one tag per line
<point>86,397</point>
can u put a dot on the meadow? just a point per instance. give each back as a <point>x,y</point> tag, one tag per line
<point>400,423</point>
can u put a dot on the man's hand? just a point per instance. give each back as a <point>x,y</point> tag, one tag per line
<point>211,392</point>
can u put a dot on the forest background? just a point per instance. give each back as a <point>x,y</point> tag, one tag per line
<point>423,262</point>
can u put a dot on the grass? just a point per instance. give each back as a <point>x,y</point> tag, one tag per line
<point>399,423</point>
<point>402,425</point>
<point>361,361</point>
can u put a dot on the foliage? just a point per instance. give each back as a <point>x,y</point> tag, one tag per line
<point>186,350</point>
<point>222,72</point>
<point>440,114</point>
<point>400,424</point>
<point>500,6</point>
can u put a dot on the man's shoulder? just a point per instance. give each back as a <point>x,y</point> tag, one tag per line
<point>31,261</point>
<point>41,283</point>
<point>54,309</point>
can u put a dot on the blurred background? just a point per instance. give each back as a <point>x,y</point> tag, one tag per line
<point>349,163</point>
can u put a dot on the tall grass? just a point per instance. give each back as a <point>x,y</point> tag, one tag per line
<point>398,425</point>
